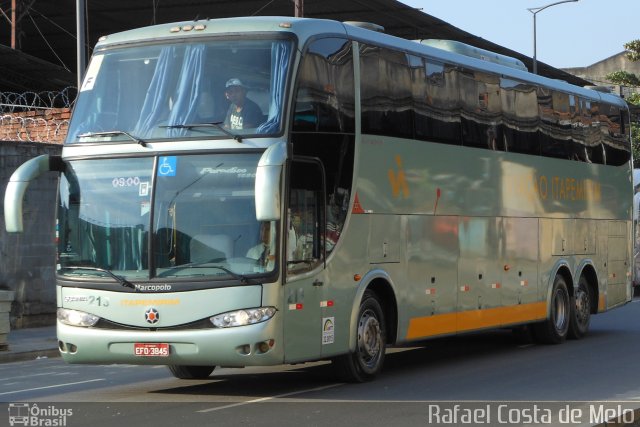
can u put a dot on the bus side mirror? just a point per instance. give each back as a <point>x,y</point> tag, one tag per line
<point>268,179</point>
<point>18,184</point>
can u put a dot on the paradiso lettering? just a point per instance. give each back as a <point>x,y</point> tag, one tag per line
<point>557,188</point>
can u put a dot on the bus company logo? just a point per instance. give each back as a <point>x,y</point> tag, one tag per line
<point>32,415</point>
<point>398,181</point>
<point>152,316</point>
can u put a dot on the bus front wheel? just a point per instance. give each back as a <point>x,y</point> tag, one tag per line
<point>366,362</point>
<point>191,372</point>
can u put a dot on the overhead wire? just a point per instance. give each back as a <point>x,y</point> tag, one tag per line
<point>53,23</point>
<point>47,42</point>
<point>64,30</point>
<point>5,15</point>
<point>262,8</point>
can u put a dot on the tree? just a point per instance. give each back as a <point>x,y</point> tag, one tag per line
<point>625,78</point>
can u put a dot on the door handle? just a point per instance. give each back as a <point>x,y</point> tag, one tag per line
<point>318,283</point>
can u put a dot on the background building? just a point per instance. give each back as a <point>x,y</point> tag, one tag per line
<point>597,72</point>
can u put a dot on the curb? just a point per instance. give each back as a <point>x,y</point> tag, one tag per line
<point>28,355</point>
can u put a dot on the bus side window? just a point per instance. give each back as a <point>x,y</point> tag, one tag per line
<point>336,216</point>
<point>325,101</point>
<point>305,217</point>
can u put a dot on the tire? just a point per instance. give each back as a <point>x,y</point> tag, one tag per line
<point>580,311</point>
<point>191,372</point>
<point>367,360</point>
<point>555,329</point>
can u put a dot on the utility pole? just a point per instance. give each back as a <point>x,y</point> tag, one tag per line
<point>13,24</point>
<point>299,8</point>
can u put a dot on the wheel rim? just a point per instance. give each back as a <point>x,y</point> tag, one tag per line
<point>369,340</point>
<point>582,306</point>
<point>559,307</point>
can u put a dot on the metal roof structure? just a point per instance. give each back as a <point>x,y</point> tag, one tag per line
<point>21,72</point>
<point>46,29</point>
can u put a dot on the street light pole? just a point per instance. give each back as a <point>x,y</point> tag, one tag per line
<point>81,31</point>
<point>534,11</point>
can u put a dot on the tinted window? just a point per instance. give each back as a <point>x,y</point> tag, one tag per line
<point>407,96</point>
<point>519,117</point>
<point>613,129</point>
<point>481,110</point>
<point>436,103</point>
<point>386,92</point>
<point>325,101</point>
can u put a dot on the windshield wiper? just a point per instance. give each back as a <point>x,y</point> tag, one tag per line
<point>113,133</point>
<point>124,282</point>
<point>216,125</point>
<point>206,264</point>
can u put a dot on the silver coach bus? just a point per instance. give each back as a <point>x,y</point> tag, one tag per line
<point>259,191</point>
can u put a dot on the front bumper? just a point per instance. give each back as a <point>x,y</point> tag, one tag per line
<point>233,347</point>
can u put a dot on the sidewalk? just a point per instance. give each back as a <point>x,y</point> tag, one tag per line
<point>30,343</point>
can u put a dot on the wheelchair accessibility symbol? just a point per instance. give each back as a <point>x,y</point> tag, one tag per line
<point>167,166</point>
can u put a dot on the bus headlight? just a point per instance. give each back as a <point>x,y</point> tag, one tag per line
<point>243,317</point>
<point>76,318</point>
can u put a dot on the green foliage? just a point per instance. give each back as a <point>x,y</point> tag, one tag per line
<point>623,78</point>
<point>629,79</point>
<point>634,99</point>
<point>635,143</point>
<point>633,48</point>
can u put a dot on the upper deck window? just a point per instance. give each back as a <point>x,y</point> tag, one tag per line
<point>197,90</point>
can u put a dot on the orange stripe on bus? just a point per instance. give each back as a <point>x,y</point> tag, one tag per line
<point>602,302</point>
<point>440,324</point>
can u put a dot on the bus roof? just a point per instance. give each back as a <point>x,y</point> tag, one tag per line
<point>302,27</point>
<point>305,28</point>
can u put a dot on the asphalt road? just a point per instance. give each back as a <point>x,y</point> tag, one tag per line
<point>495,376</point>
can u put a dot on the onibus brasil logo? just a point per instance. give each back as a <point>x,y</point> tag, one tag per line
<point>32,415</point>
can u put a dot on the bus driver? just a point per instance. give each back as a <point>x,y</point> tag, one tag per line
<point>243,113</point>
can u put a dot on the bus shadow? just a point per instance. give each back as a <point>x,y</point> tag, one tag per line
<point>436,359</point>
<point>257,383</point>
<point>443,353</point>
<point>450,351</point>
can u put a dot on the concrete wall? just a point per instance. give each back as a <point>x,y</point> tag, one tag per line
<point>597,72</point>
<point>27,260</point>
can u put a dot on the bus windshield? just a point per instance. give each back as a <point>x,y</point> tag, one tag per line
<point>195,217</point>
<point>209,89</point>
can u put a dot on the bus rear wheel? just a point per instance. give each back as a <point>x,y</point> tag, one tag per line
<point>554,330</point>
<point>191,372</point>
<point>581,313</point>
<point>366,362</point>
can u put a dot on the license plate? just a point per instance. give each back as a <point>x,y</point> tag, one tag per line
<point>151,349</point>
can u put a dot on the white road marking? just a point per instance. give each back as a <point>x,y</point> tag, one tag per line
<point>29,376</point>
<point>264,399</point>
<point>51,386</point>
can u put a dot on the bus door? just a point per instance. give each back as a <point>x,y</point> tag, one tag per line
<point>305,255</point>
